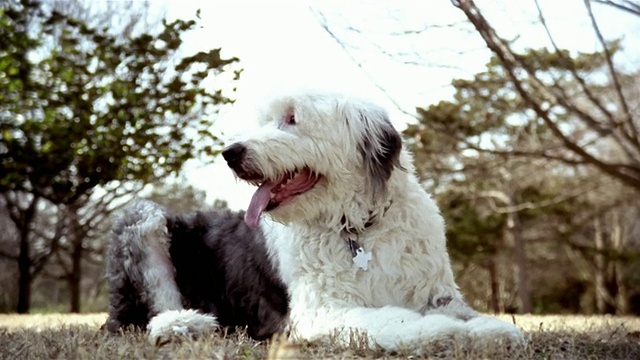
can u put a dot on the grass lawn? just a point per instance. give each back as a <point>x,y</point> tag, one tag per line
<point>63,336</point>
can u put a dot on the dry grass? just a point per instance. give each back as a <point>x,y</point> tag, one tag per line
<point>79,337</point>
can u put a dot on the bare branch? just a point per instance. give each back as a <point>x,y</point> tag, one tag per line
<point>13,209</point>
<point>613,129</point>
<point>510,62</point>
<point>326,28</point>
<point>545,154</point>
<point>572,68</point>
<point>106,205</point>
<point>624,5</point>
<point>41,260</point>
<point>66,269</point>
<point>510,208</point>
<point>614,76</point>
<point>426,28</point>
<point>8,256</point>
<point>413,58</point>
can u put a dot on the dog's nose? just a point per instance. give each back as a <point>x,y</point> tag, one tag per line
<point>234,153</point>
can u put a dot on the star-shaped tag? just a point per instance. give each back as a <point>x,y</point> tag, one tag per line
<point>362,258</point>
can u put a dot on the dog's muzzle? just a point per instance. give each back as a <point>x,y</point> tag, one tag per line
<point>237,159</point>
<point>234,154</point>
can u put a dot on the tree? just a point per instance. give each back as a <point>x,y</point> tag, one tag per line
<point>474,144</point>
<point>175,194</point>
<point>604,132</point>
<point>8,260</point>
<point>585,122</point>
<point>90,111</point>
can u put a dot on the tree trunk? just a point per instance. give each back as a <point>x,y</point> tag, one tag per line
<point>24,257</point>
<point>617,239</point>
<point>492,266</point>
<point>75,277</point>
<point>77,238</point>
<point>24,278</point>
<point>599,276</point>
<point>520,258</point>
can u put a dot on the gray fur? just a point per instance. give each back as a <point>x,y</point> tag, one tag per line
<point>380,150</point>
<point>128,297</point>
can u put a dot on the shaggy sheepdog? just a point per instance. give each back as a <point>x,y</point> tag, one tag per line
<point>187,274</point>
<point>356,239</point>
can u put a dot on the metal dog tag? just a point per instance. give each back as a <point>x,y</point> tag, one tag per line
<point>362,258</point>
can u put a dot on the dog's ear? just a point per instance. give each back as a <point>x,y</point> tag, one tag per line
<point>380,149</point>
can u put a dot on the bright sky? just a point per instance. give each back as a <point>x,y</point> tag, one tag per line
<point>282,42</point>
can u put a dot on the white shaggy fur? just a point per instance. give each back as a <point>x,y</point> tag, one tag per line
<point>408,295</point>
<point>185,323</point>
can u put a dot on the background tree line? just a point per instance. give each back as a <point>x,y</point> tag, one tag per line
<point>535,160</point>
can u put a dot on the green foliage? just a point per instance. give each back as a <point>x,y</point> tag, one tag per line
<point>471,143</point>
<point>505,181</point>
<point>488,105</point>
<point>473,235</point>
<point>80,107</point>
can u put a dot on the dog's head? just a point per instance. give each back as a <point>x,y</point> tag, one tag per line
<point>316,153</point>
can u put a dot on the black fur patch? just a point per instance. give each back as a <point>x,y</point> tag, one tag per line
<point>221,267</point>
<point>380,149</point>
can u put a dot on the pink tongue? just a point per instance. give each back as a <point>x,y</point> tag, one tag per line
<point>259,202</point>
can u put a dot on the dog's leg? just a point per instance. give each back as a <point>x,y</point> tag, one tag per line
<point>479,327</point>
<point>501,332</point>
<point>142,277</point>
<point>164,295</point>
<point>389,327</point>
<point>127,307</point>
<point>171,318</point>
<point>139,272</point>
<point>159,275</point>
<point>452,305</point>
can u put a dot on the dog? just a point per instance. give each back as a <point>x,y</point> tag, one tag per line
<point>356,239</point>
<point>189,274</point>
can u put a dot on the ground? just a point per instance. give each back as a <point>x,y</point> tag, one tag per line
<point>62,336</point>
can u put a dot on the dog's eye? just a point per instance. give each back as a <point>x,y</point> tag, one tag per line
<point>290,119</point>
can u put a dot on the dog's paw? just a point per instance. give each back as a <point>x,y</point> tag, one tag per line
<point>179,323</point>
<point>486,328</point>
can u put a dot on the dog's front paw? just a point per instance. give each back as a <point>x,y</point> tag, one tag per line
<point>179,323</point>
<point>486,328</point>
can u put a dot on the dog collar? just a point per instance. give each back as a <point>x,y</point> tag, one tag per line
<point>359,255</point>
<point>373,218</point>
